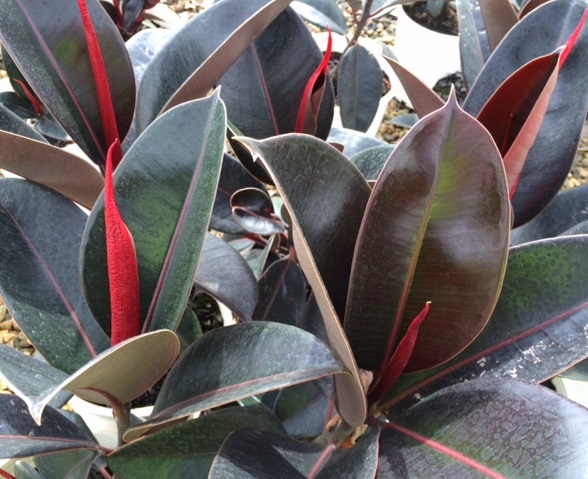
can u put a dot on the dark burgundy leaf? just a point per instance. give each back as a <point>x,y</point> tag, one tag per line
<point>284,54</point>
<point>225,275</point>
<point>282,293</point>
<point>253,211</point>
<point>540,33</point>
<point>568,208</point>
<point>233,177</point>
<point>492,428</point>
<point>266,454</point>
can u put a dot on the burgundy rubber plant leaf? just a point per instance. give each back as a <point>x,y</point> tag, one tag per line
<point>306,122</point>
<point>571,42</point>
<point>111,135</point>
<point>514,113</point>
<point>390,370</point>
<point>123,271</point>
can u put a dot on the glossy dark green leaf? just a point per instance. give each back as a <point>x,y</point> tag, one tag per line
<point>21,437</point>
<point>322,14</point>
<point>200,52</point>
<point>234,177</point>
<point>359,87</point>
<point>262,454</point>
<point>487,428</point>
<point>325,196</point>
<point>165,189</point>
<point>12,123</point>
<point>235,362</point>
<point>283,58</point>
<point>538,326</point>
<point>53,57</point>
<point>70,465</point>
<point>435,229</point>
<point>253,211</point>
<point>539,33</point>
<point>282,293</point>
<point>54,167</point>
<point>141,360</point>
<point>371,161</point>
<point>568,208</point>
<point>186,450</point>
<point>225,275</point>
<point>38,265</point>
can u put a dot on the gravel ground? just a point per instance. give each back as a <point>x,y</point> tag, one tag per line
<point>382,29</point>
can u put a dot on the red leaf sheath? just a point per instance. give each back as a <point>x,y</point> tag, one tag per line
<point>387,375</point>
<point>123,272</point>
<point>571,42</point>
<point>31,97</point>
<point>102,87</point>
<point>306,115</point>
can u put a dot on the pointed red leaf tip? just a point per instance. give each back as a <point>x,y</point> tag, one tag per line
<point>123,272</point>
<point>102,86</point>
<point>571,42</point>
<point>389,372</point>
<point>316,80</point>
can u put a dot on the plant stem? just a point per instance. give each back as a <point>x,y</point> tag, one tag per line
<point>359,27</point>
<point>122,416</point>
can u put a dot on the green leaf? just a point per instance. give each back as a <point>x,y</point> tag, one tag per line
<point>262,454</point>
<point>38,269</point>
<point>141,361</point>
<point>435,229</point>
<point>536,330</point>
<point>239,361</point>
<point>188,449</point>
<point>165,189</point>
<point>53,57</point>
<point>488,428</point>
<point>21,437</point>
<point>359,87</point>
<point>71,464</point>
<point>200,52</point>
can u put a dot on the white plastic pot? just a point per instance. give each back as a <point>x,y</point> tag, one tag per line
<point>100,420</point>
<point>428,54</point>
<point>339,44</point>
<point>577,391</point>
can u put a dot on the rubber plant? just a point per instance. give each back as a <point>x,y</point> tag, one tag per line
<point>385,327</point>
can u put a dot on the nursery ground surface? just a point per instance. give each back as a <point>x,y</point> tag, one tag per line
<point>382,29</point>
